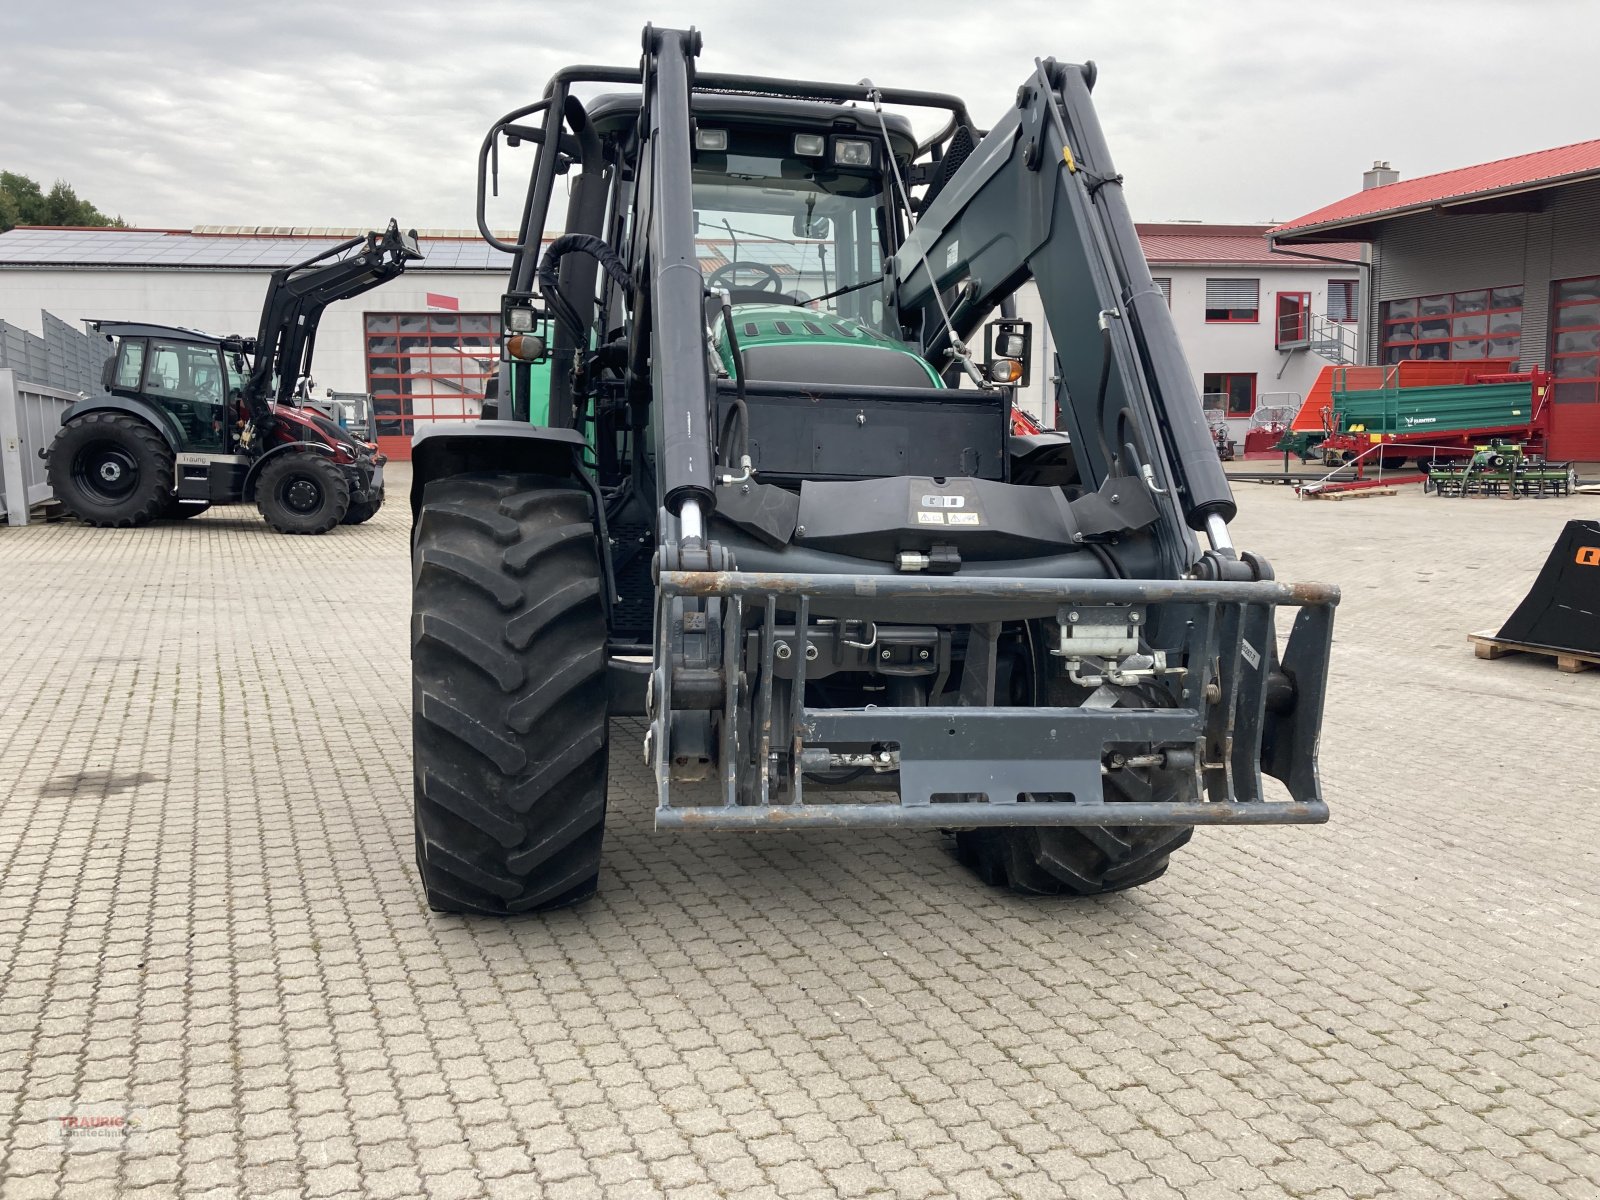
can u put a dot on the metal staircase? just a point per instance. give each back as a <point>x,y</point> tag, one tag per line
<point>1332,340</point>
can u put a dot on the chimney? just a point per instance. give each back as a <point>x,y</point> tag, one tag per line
<point>1382,173</point>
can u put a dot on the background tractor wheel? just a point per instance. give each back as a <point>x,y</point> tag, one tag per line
<point>111,469</point>
<point>363,510</point>
<point>509,714</point>
<point>302,492</point>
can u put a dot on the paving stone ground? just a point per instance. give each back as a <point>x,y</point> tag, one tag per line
<point>210,927</point>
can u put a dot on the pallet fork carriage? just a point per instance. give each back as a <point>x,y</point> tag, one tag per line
<point>800,530</point>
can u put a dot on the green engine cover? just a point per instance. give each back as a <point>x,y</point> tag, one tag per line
<point>788,325</point>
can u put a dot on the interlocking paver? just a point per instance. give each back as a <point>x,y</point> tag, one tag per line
<point>209,922</point>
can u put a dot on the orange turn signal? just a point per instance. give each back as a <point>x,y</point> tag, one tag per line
<point>525,347</point>
<point>1005,370</point>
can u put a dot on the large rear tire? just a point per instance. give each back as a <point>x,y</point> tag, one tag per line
<point>111,469</point>
<point>302,491</point>
<point>509,724</point>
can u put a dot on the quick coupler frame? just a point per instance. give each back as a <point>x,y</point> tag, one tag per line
<point>1238,709</point>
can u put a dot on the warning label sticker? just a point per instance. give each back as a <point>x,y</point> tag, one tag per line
<point>965,519</point>
<point>930,518</point>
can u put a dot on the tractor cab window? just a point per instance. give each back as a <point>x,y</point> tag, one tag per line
<point>130,364</point>
<point>190,382</point>
<point>774,226</point>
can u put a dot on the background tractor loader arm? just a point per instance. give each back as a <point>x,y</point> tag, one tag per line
<point>1040,198</point>
<point>296,298</point>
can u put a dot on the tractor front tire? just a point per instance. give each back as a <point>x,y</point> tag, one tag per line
<point>302,492</point>
<point>1079,860</point>
<point>509,702</point>
<point>111,469</point>
<point>363,510</point>
<point>1070,860</point>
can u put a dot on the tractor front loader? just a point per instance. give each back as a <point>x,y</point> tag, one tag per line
<point>190,419</point>
<point>782,508</point>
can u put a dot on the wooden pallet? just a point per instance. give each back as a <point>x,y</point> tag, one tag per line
<point>1487,645</point>
<point>1349,494</point>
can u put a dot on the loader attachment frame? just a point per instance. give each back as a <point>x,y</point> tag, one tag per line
<point>1236,707</point>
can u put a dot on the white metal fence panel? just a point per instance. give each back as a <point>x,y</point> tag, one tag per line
<point>30,414</point>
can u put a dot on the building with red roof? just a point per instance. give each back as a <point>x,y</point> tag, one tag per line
<point>1501,259</point>
<point>1258,323</point>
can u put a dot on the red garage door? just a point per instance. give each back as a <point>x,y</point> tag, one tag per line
<point>1575,363</point>
<point>427,368</point>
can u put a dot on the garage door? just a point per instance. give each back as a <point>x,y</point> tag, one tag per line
<point>1575,363</point>
<point>427,369</point>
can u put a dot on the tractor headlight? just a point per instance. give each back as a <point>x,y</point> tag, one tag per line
<point>519,320</point>
<point>711,139</point>
<point>852,152</point>
<point>810,145</point>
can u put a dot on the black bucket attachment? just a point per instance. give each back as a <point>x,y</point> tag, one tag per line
<point>1562,611</point>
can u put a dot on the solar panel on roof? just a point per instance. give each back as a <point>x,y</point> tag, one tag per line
<point>139,248</point>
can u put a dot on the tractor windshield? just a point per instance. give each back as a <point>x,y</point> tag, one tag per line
<point>792,229</point>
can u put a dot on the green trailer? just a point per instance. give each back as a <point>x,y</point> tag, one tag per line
<point>1436,422</point>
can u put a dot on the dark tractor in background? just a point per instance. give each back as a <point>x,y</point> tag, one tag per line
<point>188,420</point>
<point>801,529</point>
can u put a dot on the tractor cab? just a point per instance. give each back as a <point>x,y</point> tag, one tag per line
<point>193,380</point>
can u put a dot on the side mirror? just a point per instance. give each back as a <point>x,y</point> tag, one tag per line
<point>813,231</point>
<point>1008,351</point>
<point>108,372</point>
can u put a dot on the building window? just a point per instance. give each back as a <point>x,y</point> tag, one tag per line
<point>1575,341</point>
<point>1231,391</point>
<point>1165,284</point>
<point>428,367</point>
<point>1344,296</point>
<point>1486,323</point>
<point>1233,299</point>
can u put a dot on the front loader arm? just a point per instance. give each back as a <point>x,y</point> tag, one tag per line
<point>1040,199</point>
<point>296,299</point>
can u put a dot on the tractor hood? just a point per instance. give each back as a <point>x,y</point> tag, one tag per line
<point>799,345</point>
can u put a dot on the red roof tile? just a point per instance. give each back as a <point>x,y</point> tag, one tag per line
<point>1246,245</point>
<point>1542,168</point>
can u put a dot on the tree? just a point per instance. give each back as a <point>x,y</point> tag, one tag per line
<point>24,202</point>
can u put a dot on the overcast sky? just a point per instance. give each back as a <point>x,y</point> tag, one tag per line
<point>298,113</point>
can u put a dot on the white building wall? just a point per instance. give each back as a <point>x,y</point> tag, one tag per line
<point>1218,348</point>
<point>224,302</point>
<point>1211,348</point>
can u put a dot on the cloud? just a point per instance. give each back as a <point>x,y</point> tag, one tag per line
<point>328,114</point>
